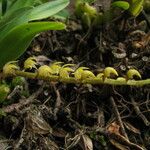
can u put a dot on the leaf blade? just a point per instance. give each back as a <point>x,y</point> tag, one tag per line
<point>27,14</point>
<point>47,9</point>
<point>12,46</point>
<point>20,4</point>
<point>121,4</point>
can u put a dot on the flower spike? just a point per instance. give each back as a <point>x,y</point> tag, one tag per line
<point>68,74</point>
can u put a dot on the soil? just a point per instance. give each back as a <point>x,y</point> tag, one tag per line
<point>50,116</point>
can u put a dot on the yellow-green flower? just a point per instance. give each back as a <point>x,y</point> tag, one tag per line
<point>132,73</point>
<point>65,71</point>
<point>10,68</point>
<point>83,73</point>
<point>44,72</point>
<point>30,63</point>
<point>56,67</point>
<point>108,71</point>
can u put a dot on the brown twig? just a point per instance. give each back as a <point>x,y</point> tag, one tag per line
<point>58,101</point>
<point>22,103</point>
<point>121,139</point>
<point>21,140</point>
<point>17,89</point>
<point>116,112</point>
<point>139,113</point>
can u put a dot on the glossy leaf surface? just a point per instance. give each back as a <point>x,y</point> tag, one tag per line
<point>17,41</point>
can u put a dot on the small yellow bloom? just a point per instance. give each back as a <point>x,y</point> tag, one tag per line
<point>87,74</point>
<point>100,75</point>
<point>10,68</point>
<point>30,63</point>
<point>132,72</point>
<point>44,71</point>
<point>65,71</point>
<point>78,72</point>
<point>56,67</point>
<point>108,71</point>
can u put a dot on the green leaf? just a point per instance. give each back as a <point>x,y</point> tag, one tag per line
<point>136,7</point>
<point>14,17</point>
<point>121,4</point>
<point>64,14</point>
<point>17,18</point>
<point>20,4</point>
<point>18,39</point>
<point>14,26</point>
<point>4,6</point>
<point>47,9</point>
<point>27,14</point>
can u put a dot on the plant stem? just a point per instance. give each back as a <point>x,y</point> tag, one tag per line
<point>86,81</point>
